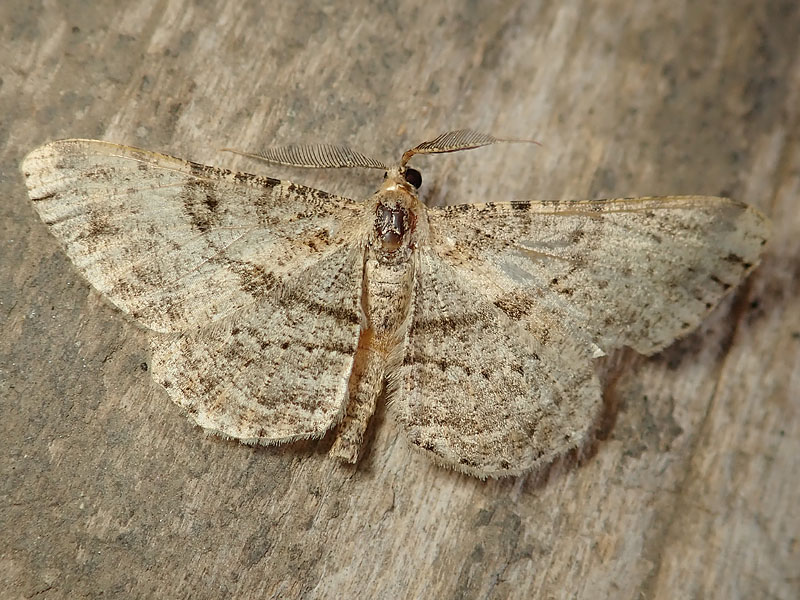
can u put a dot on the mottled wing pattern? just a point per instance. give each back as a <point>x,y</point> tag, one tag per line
<point>276,370</point>
<point>626,272</point>
<point>256,289</point>
<point>482,394</point>
<point>176,243</point>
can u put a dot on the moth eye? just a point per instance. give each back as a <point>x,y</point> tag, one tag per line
<point>413,177</point>
<point>385,174</point>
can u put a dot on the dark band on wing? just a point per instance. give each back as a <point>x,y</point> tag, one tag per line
<point>447,325</point>
<point>201,204</point>
<point>345,349</point>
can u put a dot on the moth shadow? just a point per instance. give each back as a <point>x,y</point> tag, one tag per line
<point>610,370</point>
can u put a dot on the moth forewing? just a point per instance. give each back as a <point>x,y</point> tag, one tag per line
<point>173,243</point>
<point>639,272</point>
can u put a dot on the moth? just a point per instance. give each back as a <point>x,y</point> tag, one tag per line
<point>280,312</point>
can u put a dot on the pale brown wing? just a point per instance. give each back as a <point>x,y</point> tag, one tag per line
<point>176,243</point>
<point>637,272</point>
<point>276,370</point>
<point>479,392</point>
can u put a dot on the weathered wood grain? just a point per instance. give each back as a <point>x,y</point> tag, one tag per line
<point>691,488</point>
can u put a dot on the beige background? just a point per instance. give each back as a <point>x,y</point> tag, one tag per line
<point>691,489</point>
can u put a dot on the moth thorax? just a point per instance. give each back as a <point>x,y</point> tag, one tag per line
<point>392,223</point>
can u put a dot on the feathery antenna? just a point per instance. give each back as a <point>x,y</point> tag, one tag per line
<point>461,139</point>
<point>317,156</point>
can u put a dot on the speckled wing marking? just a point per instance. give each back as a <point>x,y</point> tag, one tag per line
<point>176,243</point>
<point>481,393</point>
<point>635,272</point>
<point>277,370</point>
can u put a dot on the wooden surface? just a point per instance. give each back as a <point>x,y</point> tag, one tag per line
<point>691,489</point>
